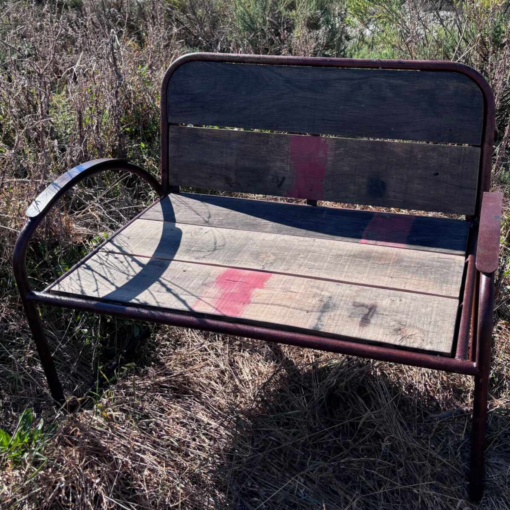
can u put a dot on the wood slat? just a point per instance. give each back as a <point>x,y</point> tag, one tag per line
<point>398,230</point>
<point>362,264</point>
<point>404,175</point>
<point>374,315</point>
<point>405,105</point>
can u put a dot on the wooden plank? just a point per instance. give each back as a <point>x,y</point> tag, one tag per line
<point>397,230</point>
<point>385,316</point>
<point>405,105</point>
<point>415,176</point>
<point>362,264</point>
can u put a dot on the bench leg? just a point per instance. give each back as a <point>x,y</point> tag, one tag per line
<point>477,475</point>
<point>483,358</point>
<point>43,349</point>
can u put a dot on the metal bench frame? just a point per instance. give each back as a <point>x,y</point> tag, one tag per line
<point>473,350</point>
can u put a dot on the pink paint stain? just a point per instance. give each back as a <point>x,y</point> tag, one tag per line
<point>388,230</point>
<point>309,157</point>
<point>232,291</point>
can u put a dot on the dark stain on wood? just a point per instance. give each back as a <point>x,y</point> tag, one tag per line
<point>326,307</point>
<point>376,187</point>
<point>407,334</point>
<point>368,315</point>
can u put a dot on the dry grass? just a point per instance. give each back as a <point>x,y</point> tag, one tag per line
<point>204,421</point>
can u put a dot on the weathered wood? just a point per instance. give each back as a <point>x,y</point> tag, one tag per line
<point>361,264</point>
<point>403,231</point>
<point>405,105</point>
<point>404,175</point>
<point>375,315</point>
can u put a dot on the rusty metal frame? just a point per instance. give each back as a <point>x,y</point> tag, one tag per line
<point>473,344</point>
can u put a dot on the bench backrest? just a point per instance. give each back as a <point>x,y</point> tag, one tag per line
<point>402,138</point>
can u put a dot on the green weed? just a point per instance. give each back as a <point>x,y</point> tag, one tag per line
<point>28,439</point>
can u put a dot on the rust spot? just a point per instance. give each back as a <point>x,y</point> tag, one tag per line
<point>367,316</point>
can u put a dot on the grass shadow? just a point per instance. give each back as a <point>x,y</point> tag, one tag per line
<point>345,435</point>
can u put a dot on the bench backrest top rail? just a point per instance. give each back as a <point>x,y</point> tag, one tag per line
<point>402,134</point>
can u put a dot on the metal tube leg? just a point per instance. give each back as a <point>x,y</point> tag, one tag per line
<point>43,350</point>
<point>483,360</point>
<point>477,475</point>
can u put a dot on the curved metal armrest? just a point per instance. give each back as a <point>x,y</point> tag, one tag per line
<point>45,201</point>
<point>487,252</point>
<point>56,189</point>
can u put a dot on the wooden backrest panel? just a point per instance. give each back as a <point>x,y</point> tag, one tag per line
<point>405,175</point>
<point>444,107</point>
<point>400,108</point>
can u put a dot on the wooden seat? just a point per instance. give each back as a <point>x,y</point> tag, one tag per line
<point>357,274</point>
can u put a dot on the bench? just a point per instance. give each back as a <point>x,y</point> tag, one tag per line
<point>406,287</point>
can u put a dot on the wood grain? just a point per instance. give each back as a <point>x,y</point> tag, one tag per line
<point>405,105</point>
<point>361,264</point>
<point>397,230</point>
<point>415,176</point>
<point>374,315</point>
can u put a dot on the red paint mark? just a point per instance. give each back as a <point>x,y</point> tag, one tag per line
<point>309,157</point>
<point>388,230</point>
<point>232,291</point>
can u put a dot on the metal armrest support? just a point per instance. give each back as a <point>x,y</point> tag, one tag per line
<point>36,213</point>
<point>487,253</point>
<point>45,201</point>
<point>487,259</point>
